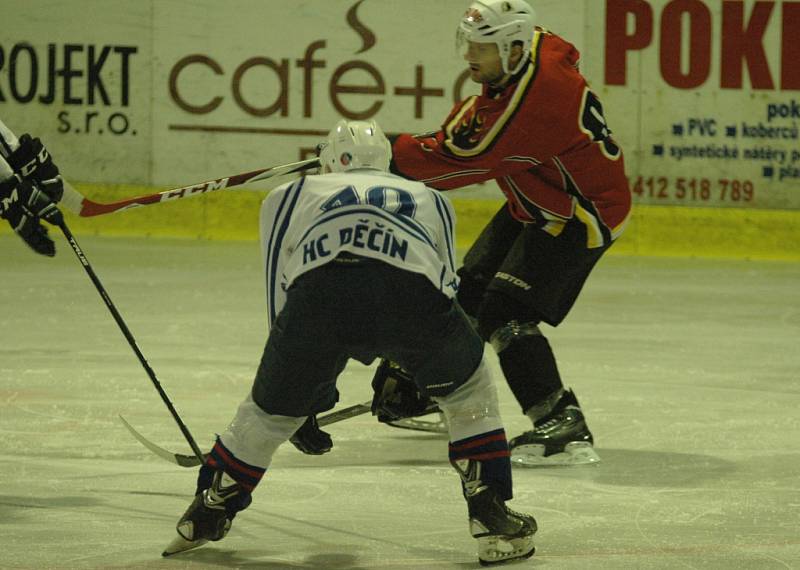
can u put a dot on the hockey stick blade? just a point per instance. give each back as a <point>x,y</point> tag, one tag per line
<point>415,424</point>
<point>176,458</point>
<point>192,461</point>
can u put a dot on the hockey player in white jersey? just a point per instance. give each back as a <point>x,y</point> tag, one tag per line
<point>360,264</point>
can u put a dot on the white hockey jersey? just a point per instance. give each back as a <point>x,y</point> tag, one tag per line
<point>307,223</point>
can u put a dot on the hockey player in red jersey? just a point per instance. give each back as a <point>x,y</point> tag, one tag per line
<point>539,131</point>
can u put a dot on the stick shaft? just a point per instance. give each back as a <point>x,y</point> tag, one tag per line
<point>129,337</point>
<point>8,140</point>
<point>344,414</point>
<point>89,208</point>
<point>78,204</point>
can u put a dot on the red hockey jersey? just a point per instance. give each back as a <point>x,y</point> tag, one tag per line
<point>544,140</point>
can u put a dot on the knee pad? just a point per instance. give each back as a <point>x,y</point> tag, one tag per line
<point>512,331</point>
<point>499,310</point>
<point>472,408</point>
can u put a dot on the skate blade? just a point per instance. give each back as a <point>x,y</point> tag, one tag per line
<point>575,453</point>
<point>498,550</point>
<point>180,544</point>
<point>420,425</point>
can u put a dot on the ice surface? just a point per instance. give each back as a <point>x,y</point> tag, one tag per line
<point>687,369</point>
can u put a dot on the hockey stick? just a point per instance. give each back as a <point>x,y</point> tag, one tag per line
<point>344,414</point>
<point>78,204</point>
<point>438,426</point>
<point>7,139</point>
<point>10,142</point>
<point>131,341</point>
<point>87,208</point>
<point>194,461</point>
<point>177,458</point>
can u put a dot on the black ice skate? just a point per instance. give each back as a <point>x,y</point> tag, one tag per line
<point>206,518</point>
<point>503,535</point>
<point>560,438</point>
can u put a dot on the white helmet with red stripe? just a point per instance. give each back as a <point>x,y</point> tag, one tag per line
<point>356,144</point>
<point>500,22</point>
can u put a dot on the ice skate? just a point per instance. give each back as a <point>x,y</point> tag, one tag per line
<point>180,544</point>
<point>206,518</point>
<point>560,438</point>
<point>503,535</point>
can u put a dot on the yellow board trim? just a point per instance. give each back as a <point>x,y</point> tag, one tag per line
<point>677,231</point>
<point>674,231</point>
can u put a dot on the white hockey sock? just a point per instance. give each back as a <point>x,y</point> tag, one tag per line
<point>472,409</point>
<point>254,435</point>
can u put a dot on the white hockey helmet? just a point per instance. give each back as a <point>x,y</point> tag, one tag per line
<point>500,22</point>
<point>356,144</point>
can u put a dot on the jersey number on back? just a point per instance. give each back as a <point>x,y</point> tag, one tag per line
<point>395,200</point>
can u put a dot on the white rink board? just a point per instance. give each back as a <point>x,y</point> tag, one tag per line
<point>705,119</point>
<point>92,80</point>
<point>219,88</point>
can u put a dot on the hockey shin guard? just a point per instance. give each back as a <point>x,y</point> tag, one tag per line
<point>476,430</point>
<point>530,369</point>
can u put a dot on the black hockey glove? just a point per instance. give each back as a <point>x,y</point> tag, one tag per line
<point>24,205</point>
<point>31,161</point>
<point>310,439</point>
<point>396,395</point>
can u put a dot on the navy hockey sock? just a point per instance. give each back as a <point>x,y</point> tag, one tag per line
<point>246,476</point>
<point>491,450</point>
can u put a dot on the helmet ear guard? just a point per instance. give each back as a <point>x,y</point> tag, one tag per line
<point>355,144</point>
<point>500,22</point>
